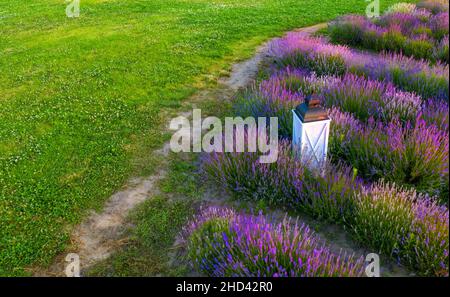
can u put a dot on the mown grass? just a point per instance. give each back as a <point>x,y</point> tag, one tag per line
<point>83,100</point>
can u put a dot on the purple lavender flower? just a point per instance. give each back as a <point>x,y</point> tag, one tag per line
<point>247,245</point>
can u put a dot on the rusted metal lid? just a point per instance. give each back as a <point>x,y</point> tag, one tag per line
<point>311,111</point>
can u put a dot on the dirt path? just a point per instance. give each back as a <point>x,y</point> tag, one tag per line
<point>100,234</point>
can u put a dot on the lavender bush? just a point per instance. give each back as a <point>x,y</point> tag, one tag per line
<point>414,156</point>
<point>253,246</point>
<point>325,195</point>
<point>315,54</point>
<point>404,224</point>
<point>440,52</point>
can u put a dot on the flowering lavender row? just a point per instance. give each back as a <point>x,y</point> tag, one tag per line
<point>374,135</point>
<point>417,34</point>
<point>415,227</point>
<point>284,183</point>
<point>415,24</point>
<point>362,97</point>
<point>254,246</point>
<point>435,6</point>
<point>299,50</point>
<point>414,156</point>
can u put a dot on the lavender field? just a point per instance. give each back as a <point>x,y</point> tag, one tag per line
<point>198,139</point>
<point>385,85</point>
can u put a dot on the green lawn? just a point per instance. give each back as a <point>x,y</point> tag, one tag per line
<point>83,100</point>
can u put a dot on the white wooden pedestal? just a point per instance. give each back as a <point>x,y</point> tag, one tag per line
<point>310,140</point>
